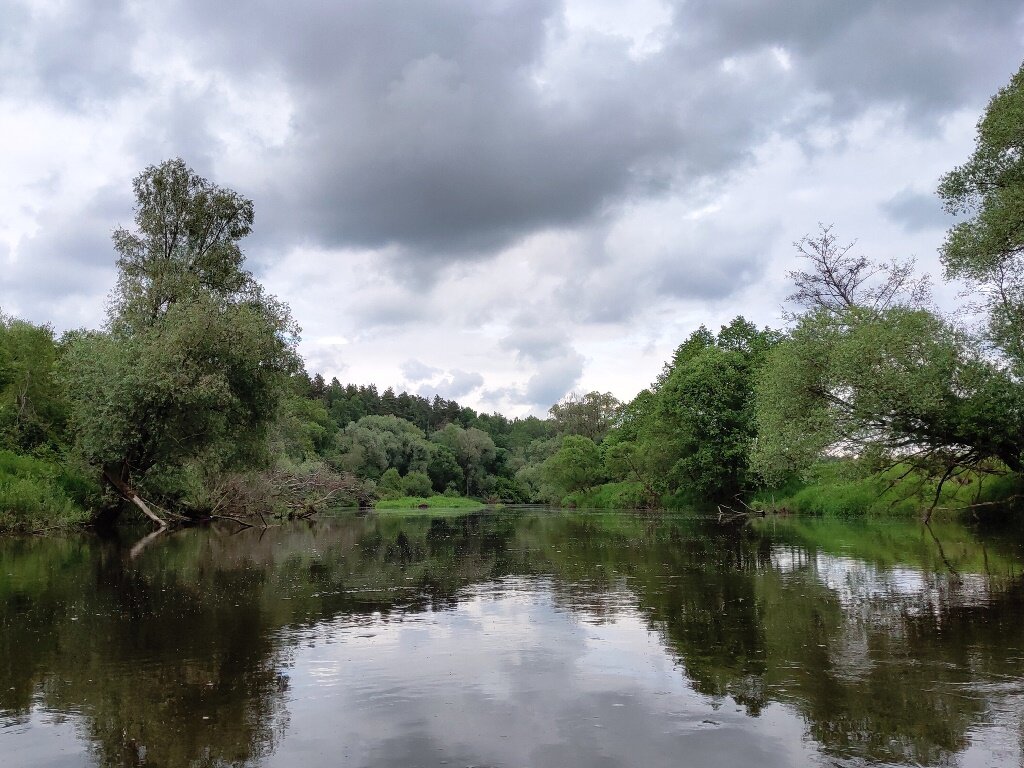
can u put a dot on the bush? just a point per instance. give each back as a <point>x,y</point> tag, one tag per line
<point>417,484</point>
<point>847,488</point>
<point>624,495</point>
<point>37,494</point>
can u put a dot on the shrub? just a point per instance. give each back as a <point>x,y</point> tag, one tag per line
<point>417,484</point>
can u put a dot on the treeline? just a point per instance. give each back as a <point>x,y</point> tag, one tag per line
<point>193,402</point>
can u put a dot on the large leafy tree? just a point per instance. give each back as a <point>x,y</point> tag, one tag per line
<point>33,410</point>
<point>576,466</point>
<point>868,370</point>
<point>903,384</point>
<point>987,248</point>
<point>590,415</point>
<point>704,410</point>
<point>374,444</point>
<point>691,434</point>
<point>189,373</point>
<point>473,449</point>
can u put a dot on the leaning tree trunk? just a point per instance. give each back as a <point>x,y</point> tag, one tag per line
<point>128,494</point>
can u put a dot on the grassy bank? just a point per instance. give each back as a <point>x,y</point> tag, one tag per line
<point>834,490</point>
<point>624,495</point>
<point>429,502</point>
<point>36,494</point>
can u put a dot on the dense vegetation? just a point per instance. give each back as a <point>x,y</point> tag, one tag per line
<point>192,400</point>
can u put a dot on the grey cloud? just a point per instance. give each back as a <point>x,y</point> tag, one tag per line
<point>929,56</point>
<point>326,359</point>
<point>426,128</point>
<point>457,384</point>
<point>414,370</point>
<point>709,275</point>
<point>707,259</point>
<point>71,256</point>
<point>534,341</point>
<point>380,312</point>
<point>179,127</point>
<point>447,130</point>
<point>556,364</point>
<point>915,211</point>
<point>76,54</point>
<point>553,379</point>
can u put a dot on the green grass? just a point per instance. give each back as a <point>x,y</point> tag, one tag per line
<point>37,494</point>
<point>431,502</point>
<point>835,490</point>
<point>625,495</point>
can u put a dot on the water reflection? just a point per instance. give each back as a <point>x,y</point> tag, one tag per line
<point>522,637</point>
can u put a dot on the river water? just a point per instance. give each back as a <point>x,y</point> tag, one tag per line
<point>517,637</point>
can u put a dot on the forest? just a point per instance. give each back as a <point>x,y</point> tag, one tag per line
<point>192,401</point>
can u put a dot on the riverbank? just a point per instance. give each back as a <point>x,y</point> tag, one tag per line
<point>429,502</point>
<point>37,495</point>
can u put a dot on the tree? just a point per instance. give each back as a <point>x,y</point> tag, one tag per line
<point>905,383</point>
<point>33,409</point>
<point>701,427</point>
<point>443,468</point>
<point>590,415</point>
<point>866,370</point>
<point>417,484</point>
<point>576,466</point>
<point>474,450</point>
<point>188,376</point>
<point>837,280</point>
<point>390,483</point>
<point>987,249</point>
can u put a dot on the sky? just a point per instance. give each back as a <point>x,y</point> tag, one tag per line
<point>497,201</point>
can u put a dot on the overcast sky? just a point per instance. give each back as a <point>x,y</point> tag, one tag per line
<point>495,200</point>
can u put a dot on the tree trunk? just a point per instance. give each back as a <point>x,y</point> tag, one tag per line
<point>130,495</point>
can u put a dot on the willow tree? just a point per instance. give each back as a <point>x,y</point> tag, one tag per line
<point>187,376</point>
<point>987,248</point>
<point>868,369</point>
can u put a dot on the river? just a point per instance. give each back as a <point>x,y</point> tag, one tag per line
<point>515,637</point>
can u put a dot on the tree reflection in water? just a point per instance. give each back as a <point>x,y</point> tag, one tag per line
<point>889,650</point>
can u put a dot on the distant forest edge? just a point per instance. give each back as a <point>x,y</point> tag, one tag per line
<point>192,402</point>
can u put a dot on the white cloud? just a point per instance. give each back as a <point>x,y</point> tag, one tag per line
<point>516,200</point>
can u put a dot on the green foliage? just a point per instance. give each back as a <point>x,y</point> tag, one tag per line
<point>576,466</point>
<point>371,445</point>
<point>33,409</point>
<point>390,482</point>
<point>692,435</point>
<point>590,415</point>
<point>510,490</point>
<point>622,495</point>
<point>869,372</point>
<point>432,502</point>
<point>197,357</point>
<point>37,494</point>
<point>417,484</point>
<point>474,450</point>
<point>204,382</point>
<point>903,382</point>
<point>443,468</point>
<point>986,249</point>
<point>303,430</point>
<point>850,488</point>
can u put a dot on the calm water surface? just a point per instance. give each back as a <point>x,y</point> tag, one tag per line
<point>515,638</point>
